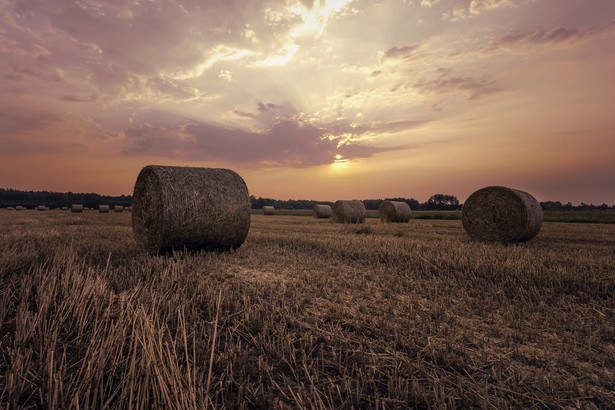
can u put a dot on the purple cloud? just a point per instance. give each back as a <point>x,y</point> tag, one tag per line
<point>401,53</point>
<point>446,81</point>
<point>289,143</point>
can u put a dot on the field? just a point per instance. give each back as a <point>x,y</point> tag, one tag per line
<point>305,314</point>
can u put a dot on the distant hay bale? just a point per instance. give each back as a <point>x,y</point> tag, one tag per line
<point>64,208</point>
<point>118,208</point>
<point>103,209</point>
<point>394,211</point>
<point>190,208</point>
<point>76,208</point>
<point>10,208</point>
<point>501,214</point>
<point>19,208</point>
<point>268,210</point>
<point>127,208</point>
<point>348,212</point>
<point>322,211</point>
<point>41,208</point>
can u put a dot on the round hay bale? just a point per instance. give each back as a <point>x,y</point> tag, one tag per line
<point>501,214</point>
<point>322,211</point>
<point>103,209</point>
<point>268,210</point>
<point>64,208</point>
<point>19,208</point>
<point>10,208</point>
<point>394,211</point>
<point>348,212</point>
<point>127,208</point>
<point>76,208</point>
<point>190,208</point>
<point>41,208</point>
<point>118,208</point>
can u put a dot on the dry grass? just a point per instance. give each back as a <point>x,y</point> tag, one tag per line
<point>305,314</point>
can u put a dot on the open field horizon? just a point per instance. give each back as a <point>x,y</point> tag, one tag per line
<point>305,313</point>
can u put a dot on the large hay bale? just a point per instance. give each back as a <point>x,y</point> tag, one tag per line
<point>118,208</point>
<point>76,208</point>
<point>103,209</point>
<point>501,214</point>
<point>322,211</point>
<point>394,211</point>
<point>348,212</point>
<point>191,208</point>
<point>268,210</point>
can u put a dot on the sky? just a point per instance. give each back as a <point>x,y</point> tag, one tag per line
<point>308,99</point>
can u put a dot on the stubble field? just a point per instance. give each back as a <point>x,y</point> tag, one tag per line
<point>305,314</point>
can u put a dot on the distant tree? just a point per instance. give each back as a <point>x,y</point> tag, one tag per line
<point>443,202</point>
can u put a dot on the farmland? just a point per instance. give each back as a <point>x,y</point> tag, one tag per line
<point>305,314</point>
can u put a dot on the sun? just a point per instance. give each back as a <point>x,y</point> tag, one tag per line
<point>338,156</point>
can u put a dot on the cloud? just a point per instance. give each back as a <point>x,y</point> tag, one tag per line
<point>446,81</point>
<point>262,107</point>
<point>555,36</point>
<point>288,143</point>
<point>475,8</point>
<point>45,132</point>
<point>400,53</point>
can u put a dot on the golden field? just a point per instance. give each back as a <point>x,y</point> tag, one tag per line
<point>305,314</point>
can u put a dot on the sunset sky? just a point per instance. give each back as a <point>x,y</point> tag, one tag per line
<point>323,100</point>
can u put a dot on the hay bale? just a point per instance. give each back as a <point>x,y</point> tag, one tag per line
<point>118,208</point>
<point>64,208</point>
<point>103,209</point>
<point>268,210</point>
<point>501,214</point>
<point>76,208</point>
<point>190,208</point>
<point>348,212</point>
<point>41,208</point>
<point>10,208</point>
<point>19,208</point>
<point>394,211</point>
<point>322,211</point>
<point>127,208</point>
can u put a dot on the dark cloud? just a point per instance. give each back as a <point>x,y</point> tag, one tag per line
<point>401,53</point>
<point>543,37</point>
<point>262,107</point>
<point>375,73</point>
<point>446,81</point>
<point>289,143</point>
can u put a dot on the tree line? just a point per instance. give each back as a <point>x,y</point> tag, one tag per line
<point>441,202</point>
<point>32,199</point>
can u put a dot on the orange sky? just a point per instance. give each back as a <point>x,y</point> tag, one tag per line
<point>417,97</point>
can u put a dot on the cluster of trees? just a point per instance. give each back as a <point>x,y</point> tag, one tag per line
<point>558,206</point>
<point>436,202</point>
<point>32,199</point>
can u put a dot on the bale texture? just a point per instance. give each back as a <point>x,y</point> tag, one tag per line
<point>348,212</point>
<point>394,211</point>
<point>191,208</point>
<point>76,208</point>
<point>103,209</point>
<point>501,214</point>
<point>268,210</point>
<point>118,208</point>
<point>322,211</point>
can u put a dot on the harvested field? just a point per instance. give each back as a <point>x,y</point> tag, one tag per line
<point>305,314</point>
